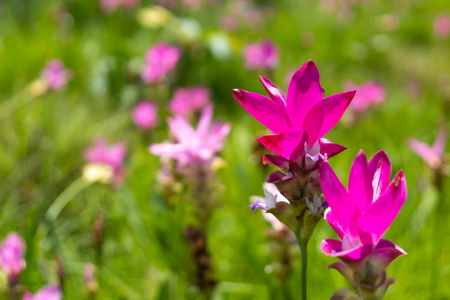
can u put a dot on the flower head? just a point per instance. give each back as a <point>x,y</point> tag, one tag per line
<point>145,115</point>
<point>299,120</point>
<point>262,55</point>
<point>369,93</point>
<point>186,101</point>
<point>49,292</point>
<point>442,26</point>
<point>55,75</point>
<point>109,5</point>
<point>360,216</point>
<point>111,156</point>
<point>433,156</point>
<point>160,60</point>
<point>193,146</point>
<point>12,251</point>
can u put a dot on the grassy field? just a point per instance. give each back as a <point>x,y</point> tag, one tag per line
<point>144,254</point>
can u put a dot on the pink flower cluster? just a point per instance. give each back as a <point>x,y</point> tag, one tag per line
<point>12,251</point>
<point>110,5</point>
<point>186,101</point>
<point>369,94</point>
<point>261,55</point>
<point>433,156</point>
<point>442,26</point>
<point>49,292</point>
<point>55,75</point>
<point>160,60</point>
<point>145,115</point>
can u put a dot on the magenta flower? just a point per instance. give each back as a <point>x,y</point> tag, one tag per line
<point>262,55</point>
<point>300,120</point>
<point>433,156</point>
<point>145,115</point>
<point>49,292</point>
<point>442,26</point>
<point>369,93</point>
<point>193,146</point>
<point>11,256</point>
<point>55,75</point>
<point>186,101</point>
<point>160,60</point>
<point>361,215</point>
<point>111,156</point>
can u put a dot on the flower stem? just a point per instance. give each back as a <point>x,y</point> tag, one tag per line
<point>304,250</point>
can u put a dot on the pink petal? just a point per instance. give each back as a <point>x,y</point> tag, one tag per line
<point>331,110</point>
<point>331,219</point>
<point>429,156</point>
<point>263,109</point>
<point>304,92</point>
<point>441,140</point>
<point>275,176</point>
<point>360,183</point>
<point>284,143</point>
<point>273,91</point>
<point>336,196</point>
<point>312,124</point>
<point>276,161</point>
<point>380,172</point>
<point>333,248</point>
<point>385,253</point>
<point>329,148</point>
<point>205,122</point>
<point>380,215</point>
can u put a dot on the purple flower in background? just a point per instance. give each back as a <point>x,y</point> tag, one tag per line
<point>360,216</point>
<point>442,26</point>
<point>369,93</point>
<point>49,292</point>
<point>300,120</point>
<point>433,156</point>
<point>186,101</point>
<point>11,256</point>
<point>193,146</point>
<point>109,156</point>
<point>262,55</point>
<point>145,115</point>
<point>55,75</point>
<point>160,60</point>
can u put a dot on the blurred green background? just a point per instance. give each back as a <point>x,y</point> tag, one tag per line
<point>145,255</point>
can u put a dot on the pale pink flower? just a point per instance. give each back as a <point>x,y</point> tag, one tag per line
<point>262,55</point>
<point>145,115</point>
<point>55,75</point>
<point>433,156</point>
<point>160,60</point>
<point>12,251</point>
<point>49,292</point>
<point>368,94</point>
<point>112,156</point>
<point>442,26</point>
<point>186,101</point>
<point>109,5</point>
<point>193,146</point>
<point>193,4</point>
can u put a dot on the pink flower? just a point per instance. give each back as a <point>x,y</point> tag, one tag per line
<point>109,5</point>
<point>363,213</point>
<point>186,101</point>
<point>369,93</point>
<point>433,156</point>
<point>49,292</point>
<point>145,115</point>
<point>300,120</point>
<point>160,60</point>
<point>442,26</point>
<point>193,146</point>
<point>55,75</point>
<point>262,55</point>
<point>112,156</point>
<point>11,256</point>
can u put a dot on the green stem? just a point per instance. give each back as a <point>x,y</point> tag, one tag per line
<point>304,251</point>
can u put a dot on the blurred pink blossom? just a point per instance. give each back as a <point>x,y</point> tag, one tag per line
<point>186,101</point>
<point>160,60</point>
<point>367,94</point>
<point>193,4</point>
<point>88,272</point>
<point>49,292</point>
<point>433,156</point>
<point>193,146</point>
<point>112,156</point>
<point>109,5</point>
<point>262,55</point>
<point>11,256</point>
<point>442,26</point>
<point>145,115</point>
<point>55,75</point>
